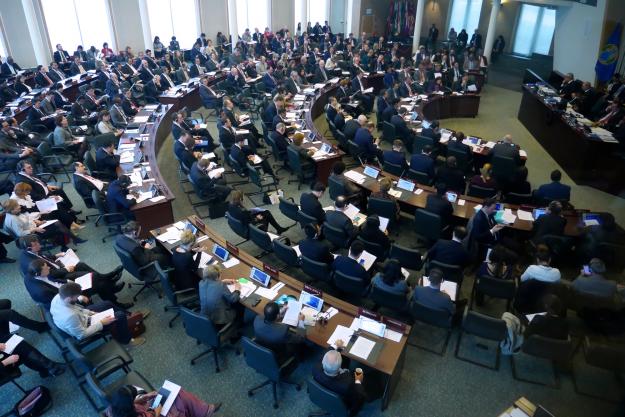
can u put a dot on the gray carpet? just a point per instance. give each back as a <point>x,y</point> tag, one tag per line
<point>431,386</point>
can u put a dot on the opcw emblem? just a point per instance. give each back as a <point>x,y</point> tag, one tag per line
<point>609,54</point>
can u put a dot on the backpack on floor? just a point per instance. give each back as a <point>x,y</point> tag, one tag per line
<point>36,402</point>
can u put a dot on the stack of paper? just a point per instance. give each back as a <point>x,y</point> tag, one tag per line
<point>291,317</point>
<point>174,390</point>
<point>362,347</point>
<point>340,333</point>
<point>46,205</point>
<point>172,235</point>
<point>140,119</point>
<point>69,258</point>
<point>355,176</point>
<point>525,215</point>
<point>395,193</point>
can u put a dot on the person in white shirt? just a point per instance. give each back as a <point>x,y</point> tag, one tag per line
<point>78,322</point>
<point>541,271</point>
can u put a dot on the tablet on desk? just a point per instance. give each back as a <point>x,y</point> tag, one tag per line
<point>591,219</point>
<point>451,197</point>
<point>326,147</point>
<point>311,301</point>
<point>311,136</point>
<point>500,206</point>
<point>190,226</point>
<point>260,277</point>
<point>405,185</point>
<point>474,140</point>
<point>220,252</point>
<point>371,171</point>
<point>425,124</point>
<point>539,212</point>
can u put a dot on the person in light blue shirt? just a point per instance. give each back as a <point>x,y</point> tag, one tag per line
<point>432,296</point>
<point>391,278</point>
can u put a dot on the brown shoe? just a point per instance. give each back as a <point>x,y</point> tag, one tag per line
<point>136,341</point>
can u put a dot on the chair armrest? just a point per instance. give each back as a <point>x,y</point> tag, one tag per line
<point>118,216</point>
<point>153,264</point>
<point>225,329</point>
<point>114,368</point>
<point>184,292</point>
<point>287,363</point>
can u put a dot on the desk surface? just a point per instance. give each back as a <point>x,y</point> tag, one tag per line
<point>319,334</point>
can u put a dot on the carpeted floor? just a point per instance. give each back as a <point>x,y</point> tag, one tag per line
<point>431,386</point>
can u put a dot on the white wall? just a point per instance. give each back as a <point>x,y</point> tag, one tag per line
<point>283,15</point>
<point>214,17</point>
<point>125,15</point>
<point>577,39</point>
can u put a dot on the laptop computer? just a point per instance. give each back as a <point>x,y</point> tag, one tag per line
<point>538,212</point>
<point>311,301</point>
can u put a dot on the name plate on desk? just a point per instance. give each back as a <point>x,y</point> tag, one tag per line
<point>232,248</point>
<point>199,222</point>
<point>271,270</point>
<point>368,313</point>
<point>393,324</point>
<point>312,290</point>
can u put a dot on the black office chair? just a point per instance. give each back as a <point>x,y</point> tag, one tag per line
<point>428,226</point>
<point>484,327</point>
<point>238,227</point>
<point>101,393</point>
<point>264,361</point>
<point>329,401</point>
<point>89,162</point>
<point>216,207</point>
<point>55,159</point>
<point>318,271</point>
<point>237,168</point>
<point>555,351</point>
<point>289,208</point>
<point>408,258</point>
<point>355,151</point>
<point>394,169</point>
<point>464,162</point>
<point>279,156</point>
<point>342,140</point>
<point>336,188</point>
<point>389,303</point>
<point>494,288</point>
<point>374,248</point>
<point>305,219</point>
<point>419,177</point>
<point>432,317</point>
<point>202,329</point>
<point>609,357</point>
<point>352,288</point>
<point>336,236</point>
<point>265,183</point>
<point>286,254</point>
<point>113,221</point>
<point>295,163</point>
<point>388,132</point>
<point>383,208</point>
<point>148,274</point>
<point>518,199</point>
<point>481,192</point>
<point>504,169</point>
<point>419,143</point>
<point>451,272</point>
<point>260,239</point>
<point>188,298</point>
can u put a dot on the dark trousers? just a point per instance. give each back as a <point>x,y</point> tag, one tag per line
<point>4,238</point>
<point>102,286</point>
<point>266,220</point>
<point>122,333</point>
<point>8,315</point>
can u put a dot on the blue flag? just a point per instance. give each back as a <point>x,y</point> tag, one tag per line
<point>608,56</point>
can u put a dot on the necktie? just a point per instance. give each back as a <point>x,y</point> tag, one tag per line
<point>63,59</point>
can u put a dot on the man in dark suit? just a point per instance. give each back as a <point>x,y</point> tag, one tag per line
<point>227,135</point>
<point>358,87</point>
<point>568,86</point>
<point>589,97</point>
<point>451,175</point>
<point>269,80</point>
<point>77,67</point>
<point>352,126</point>
<point>314,247</point>
<point>432,296</point>
<point>9,68</point>
<point>37,117</point>
<point>291,84</point>
<point>550,223</point>
<point>382,101</point>
<point>423,162</point>
<point>390,110</point>
<point>339,220</point>
<point>60,55</point>
<point>280,139</point>
<point>55,74</point>
<point>142,252</point>
<point>438,204</point>
<point>367,145</point>
<point>81,114</point>
<point>85,183</point>
<point>507,149</point>
<point>402,131</point>
<point>145,73</point>
<point>396,155</point>
<point>484,229</point>
<point>309,202</point>
<point>433,132</point>
<point>554,190</point>
<point>244,154</point>
<point>452,251</point>
<point>272,334</point>
<point>40,189</point>
<point>107,162</point>
<point>183,149</point>
<point>320,72</point>
<point>117,199</point>
<point>349,264</point>
<point>41,77</point>
<point>208,187</point>
<point>197,69</point>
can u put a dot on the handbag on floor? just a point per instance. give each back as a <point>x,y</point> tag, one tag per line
<point>36,402</point>
<point>135,325</point>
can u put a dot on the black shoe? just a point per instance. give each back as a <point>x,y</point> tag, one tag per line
<point>7,260</point>
<point>75,212</point>
<point>57,370</point>
<point>78,240</point>
<point>42,327</point>
<point>124,306</point>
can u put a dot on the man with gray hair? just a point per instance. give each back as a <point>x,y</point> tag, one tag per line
<point>592,282</point>
<point>279,138</point>
<point>333,373</point>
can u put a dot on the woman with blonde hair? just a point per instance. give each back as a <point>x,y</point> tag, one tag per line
<point>484,179</point>
<point>186,259</point>
<point>21,194</point>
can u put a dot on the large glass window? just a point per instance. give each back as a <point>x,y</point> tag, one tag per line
<point>78,22</point>
<point>3,49</point>
<point>534,30</point>
<point>174,18</point>
<point>253,14</point>
<point>316,11</point>
<point>465,14</point>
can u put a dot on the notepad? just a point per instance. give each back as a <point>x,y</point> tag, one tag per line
<point>340,333</point>
<point>69,258</point>
<point>12,343</point>
<point>230,263</point>
<point>392,335</point>
<point>102,315</point>
<point>174,390</point>
<point>362,347</point>
<point>267,293</point>
<point>46,205</point>
<point>85,281</point>
<point>291,317</point>
<point>525,215</point>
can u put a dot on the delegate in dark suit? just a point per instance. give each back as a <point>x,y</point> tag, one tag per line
<point>402,131</point>
<point>116,199</point>
<point>310,205</point>
<point>40,291</point>
<point>422,163</point>
<point>350,129</point>
<point>317,250</point>
<point>449,252</point>
<point>438,204</point>
<point>548,224</point>
<point>433,298</point>
<point>207,186</point>
<point>107,164</point>
<point>508,150</point>
<point>276,336</point>
<point>343,384</point>
<point>184,155</point>
<point>396,158</point>
<point>139,253</point>
<point>83,187</point>
<point>339,220</point>
<point>364,140</point>
<point>553,191</point>
<point>350,267</point>
<point>217,302</point>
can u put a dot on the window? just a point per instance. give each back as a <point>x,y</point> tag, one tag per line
<point>465,14</point>
<point>174,18</point>
<point>534,30</point>
<point>78,22</point>
<point>316,11</point>
<point>3,49</point>
<point>253,14</point>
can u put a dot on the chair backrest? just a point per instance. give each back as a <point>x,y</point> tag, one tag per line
<point>548,348</point>
<point>341,139</point>
<point>354,150</point>
<point>285,253</point>
<point>128,263</point>
<point>374,248</point>
<point>317,270</point>
<point>238,227</point>
<point>558,245</point>
<point>419,143</point>
<point>44,148</point>
<point>388,132</point>
<point>336,188</point>
<point>394,169</point>
<point>80,359</point>
<point>495,287</point>
<point>427,224</point>
<point>336,236</point>
<point>304,218</point>
<point>450,272</point>
<point>85,198</point>
<point>99,202</point>
<point>516,198</point>
<point>387,299</point>
<point>254,175</point>
<point>481,192</point>
<point>168,289</point>
<point>431,316</point>
<point>609,357</point>
<point>349,284</point>
<point>504,167</point>
<point>89,162</point>
<point>261,359</point>
<point>97,388</point>
<point>236,166</point>
<point>199,327</point>
<point>327,400</point>
<point>274,148</point>
<point>408,258</point>
<point>288,208</point>
<point>294,161</point>
<point>260,238</point>
<point>383,207</point>
<point>419,176</point>
<point>484,326</point>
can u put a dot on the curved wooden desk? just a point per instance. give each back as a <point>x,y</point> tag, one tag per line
<point>449,106</point>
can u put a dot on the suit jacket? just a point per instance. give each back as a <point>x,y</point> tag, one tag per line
<point>554,191</point>
<point>106,163</point>
<point>196,71</point>
<point>343,384</point>
<point>397,158</point>
<point>40,291</point>
<point>440,205</point>
<point>57,272</point>
<point>339,121</point>
<point>364,140</point>
<point>217,302</point>
<point>508,150</point>
<point>459,146</point>
<point>452,177</point>
<point>275,336</point>
<point>480,228</point>
<point>38,191</point>
<point>339,220</point>
<point>35,116</point>
<point>59,55</point>
<point>240,154</point>
<point>388,112</point>
<point>402,131</point>
<point>350,129</point>
<point>62,136</point>
<point>350,267</point>
<point>5,70</point>
<point>41,80</point>
<point>310,205</point>
<point>433,298</point>
<point>74,69</point>
<point>116,199</point>
<point>449,252</point>
<point>203,182</point>
<point>227,138</point>
<point>140,255</point>
<point>56,75</point>
<point>83,187</point>
<point>118,117</point>
<point>145,74</point>
<point>321,76</point>
<point>112,89</point>
<point>269,113</point>
<point>269,81</point>
<point>291,87</point>
<point>317,250</point>
<point>183,154</point>
<point>282,142</point>
<point>423,163</point>
<point>548,224</point>
<point>240,213</point>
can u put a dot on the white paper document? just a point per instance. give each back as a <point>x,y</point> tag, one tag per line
<point>47,205</point>
<point>392,335</point>
<point>85,281</point>
<point>230,263</point>
<point>205,258</point>
<point>69,259</point>
<point>525,215</point>
<point>362,347</point>
<point>531,317</point>
<point>12,343</point>
<point>257,159</point>
<point>366,259</point>
<point>383,223</point>
<point>449,287</point>
<point>340,333</point>
<point>291,317</point>
<point>174,390</point>
<point>46,224</point>
<point>351,211</point>
<point>102,315</point>
<point>267,293</point>
<point>355,176</point>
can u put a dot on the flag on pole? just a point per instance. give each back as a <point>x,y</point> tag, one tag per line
<point>608,56</point>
